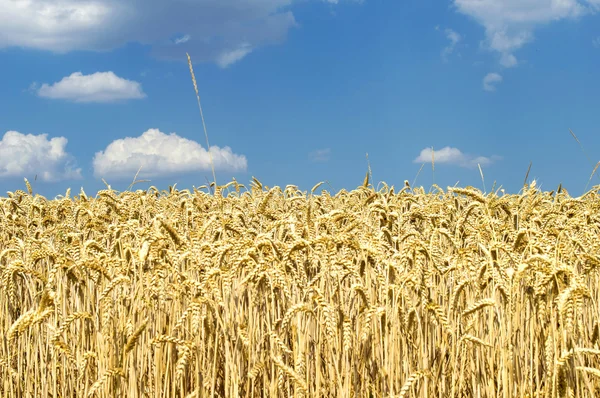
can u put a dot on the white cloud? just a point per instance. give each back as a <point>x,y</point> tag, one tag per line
<point>182,39</point>
<point>449,155</point>
<point>508,60</point>
<point>161,155</point>
<point>596,42</point>
<point>216,30</point>
<point>227,58</point>
<point>509,24</point>
<point>97,87</point>
<point>320,155</point>
<point>490,80</point>
<point>454,39</point>
<point>25,155</point>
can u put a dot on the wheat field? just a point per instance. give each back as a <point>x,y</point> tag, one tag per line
<point>280,293</point>
<point>283,293</point>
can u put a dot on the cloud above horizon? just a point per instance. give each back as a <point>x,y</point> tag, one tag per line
<point>161,155</point>
<point>320,155</point>
<point>509,24</point>
<point>454,38</point>
<point>223,31</point>
<point>454,156</point>
<point>490,80</point>
<point>97,87</point>
<point>23,155</point>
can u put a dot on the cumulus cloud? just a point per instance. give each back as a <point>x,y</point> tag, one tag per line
<point>454,156</point>
<point>320,155</point>
<point>161,155</point>
<point>27,155</point>
<point>509,24</point>
<point>97,87</point>
<point>454,39</point>
<point>490,80</point>
<point>221,31</point>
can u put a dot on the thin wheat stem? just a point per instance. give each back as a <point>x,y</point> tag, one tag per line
<point>202,116</point>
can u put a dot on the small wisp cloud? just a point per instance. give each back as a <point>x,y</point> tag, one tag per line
<point>453,156</point>
<point>454,38</point>
<point>231,56</point>
<point>490,80</point>
<point>182,39</point>
<point>320,155</point>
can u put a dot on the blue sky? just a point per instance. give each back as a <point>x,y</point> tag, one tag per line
<point>297,92</point>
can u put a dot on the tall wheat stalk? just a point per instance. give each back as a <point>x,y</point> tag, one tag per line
<point>202,116</point>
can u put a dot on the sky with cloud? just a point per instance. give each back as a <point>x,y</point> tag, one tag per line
<point>298,92</point>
